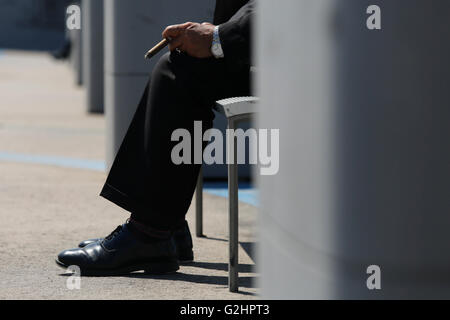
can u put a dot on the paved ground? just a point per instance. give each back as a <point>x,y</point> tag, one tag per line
<point>46,207</point>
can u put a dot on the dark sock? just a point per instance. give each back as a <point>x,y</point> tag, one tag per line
<point>145,233</point>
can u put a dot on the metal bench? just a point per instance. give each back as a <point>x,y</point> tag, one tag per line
<point>236,110</point>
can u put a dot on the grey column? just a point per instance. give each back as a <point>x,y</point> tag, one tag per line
<point>76,55</point>
<point>92,20</point>
<point>131,28</point>
<point>364,159</point>
<point>76,59</point>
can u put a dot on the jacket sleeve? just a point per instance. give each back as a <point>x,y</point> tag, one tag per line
<point>235,36</point>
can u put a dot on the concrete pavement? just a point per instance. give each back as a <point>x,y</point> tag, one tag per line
<point>49,203</point>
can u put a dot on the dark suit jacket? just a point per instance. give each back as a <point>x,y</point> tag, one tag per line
<point>235,20</point>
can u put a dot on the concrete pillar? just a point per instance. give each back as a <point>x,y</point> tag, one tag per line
<point>76,55</point>
<point>75,36</point>
<point>364,160</point>
<point>92,19</point>
<point>130,30</point>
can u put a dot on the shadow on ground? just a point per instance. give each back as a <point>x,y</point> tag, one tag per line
<point>244,282</point>
<point>249,247</point>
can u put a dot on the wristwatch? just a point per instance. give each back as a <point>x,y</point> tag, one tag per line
<point>216,47</point>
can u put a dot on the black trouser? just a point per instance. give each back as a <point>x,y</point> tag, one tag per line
<point>143,178</point>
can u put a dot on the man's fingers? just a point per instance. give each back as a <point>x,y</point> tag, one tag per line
<point>176,43</point>
<point>171,32</point>
<point>175,30</point>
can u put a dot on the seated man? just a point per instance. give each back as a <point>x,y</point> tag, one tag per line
<point>207,62</point>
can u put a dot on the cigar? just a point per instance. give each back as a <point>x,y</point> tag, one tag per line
<point>153,51</point>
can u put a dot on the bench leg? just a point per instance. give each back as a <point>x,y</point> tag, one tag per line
<point>233,217</point>
<point>199,205</point>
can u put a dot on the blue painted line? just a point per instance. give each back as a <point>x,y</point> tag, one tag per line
<point>224,185</point>
<point>247,193</point>
<point>249,196</point>
<point>54,161</point>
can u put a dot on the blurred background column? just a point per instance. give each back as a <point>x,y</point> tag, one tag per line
<point>92,20</point>
<point>33,25</point>
<point>76,53</point>
<point>131,28</point>
<point>364,159</point>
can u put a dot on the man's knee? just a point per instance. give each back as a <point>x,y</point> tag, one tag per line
<point>175,70</point>
<point>162,66</point>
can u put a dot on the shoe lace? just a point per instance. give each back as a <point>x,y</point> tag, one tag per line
<point>114,233</point>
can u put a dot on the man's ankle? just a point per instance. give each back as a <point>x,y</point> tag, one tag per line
<point>147,233</point>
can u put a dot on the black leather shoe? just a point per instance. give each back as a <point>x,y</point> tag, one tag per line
<point>182,238</point>
<point>121,253</point>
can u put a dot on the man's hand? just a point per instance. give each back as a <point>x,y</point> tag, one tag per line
<point>193,38</point>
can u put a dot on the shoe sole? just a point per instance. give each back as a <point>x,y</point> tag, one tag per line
<point>155,268</point>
